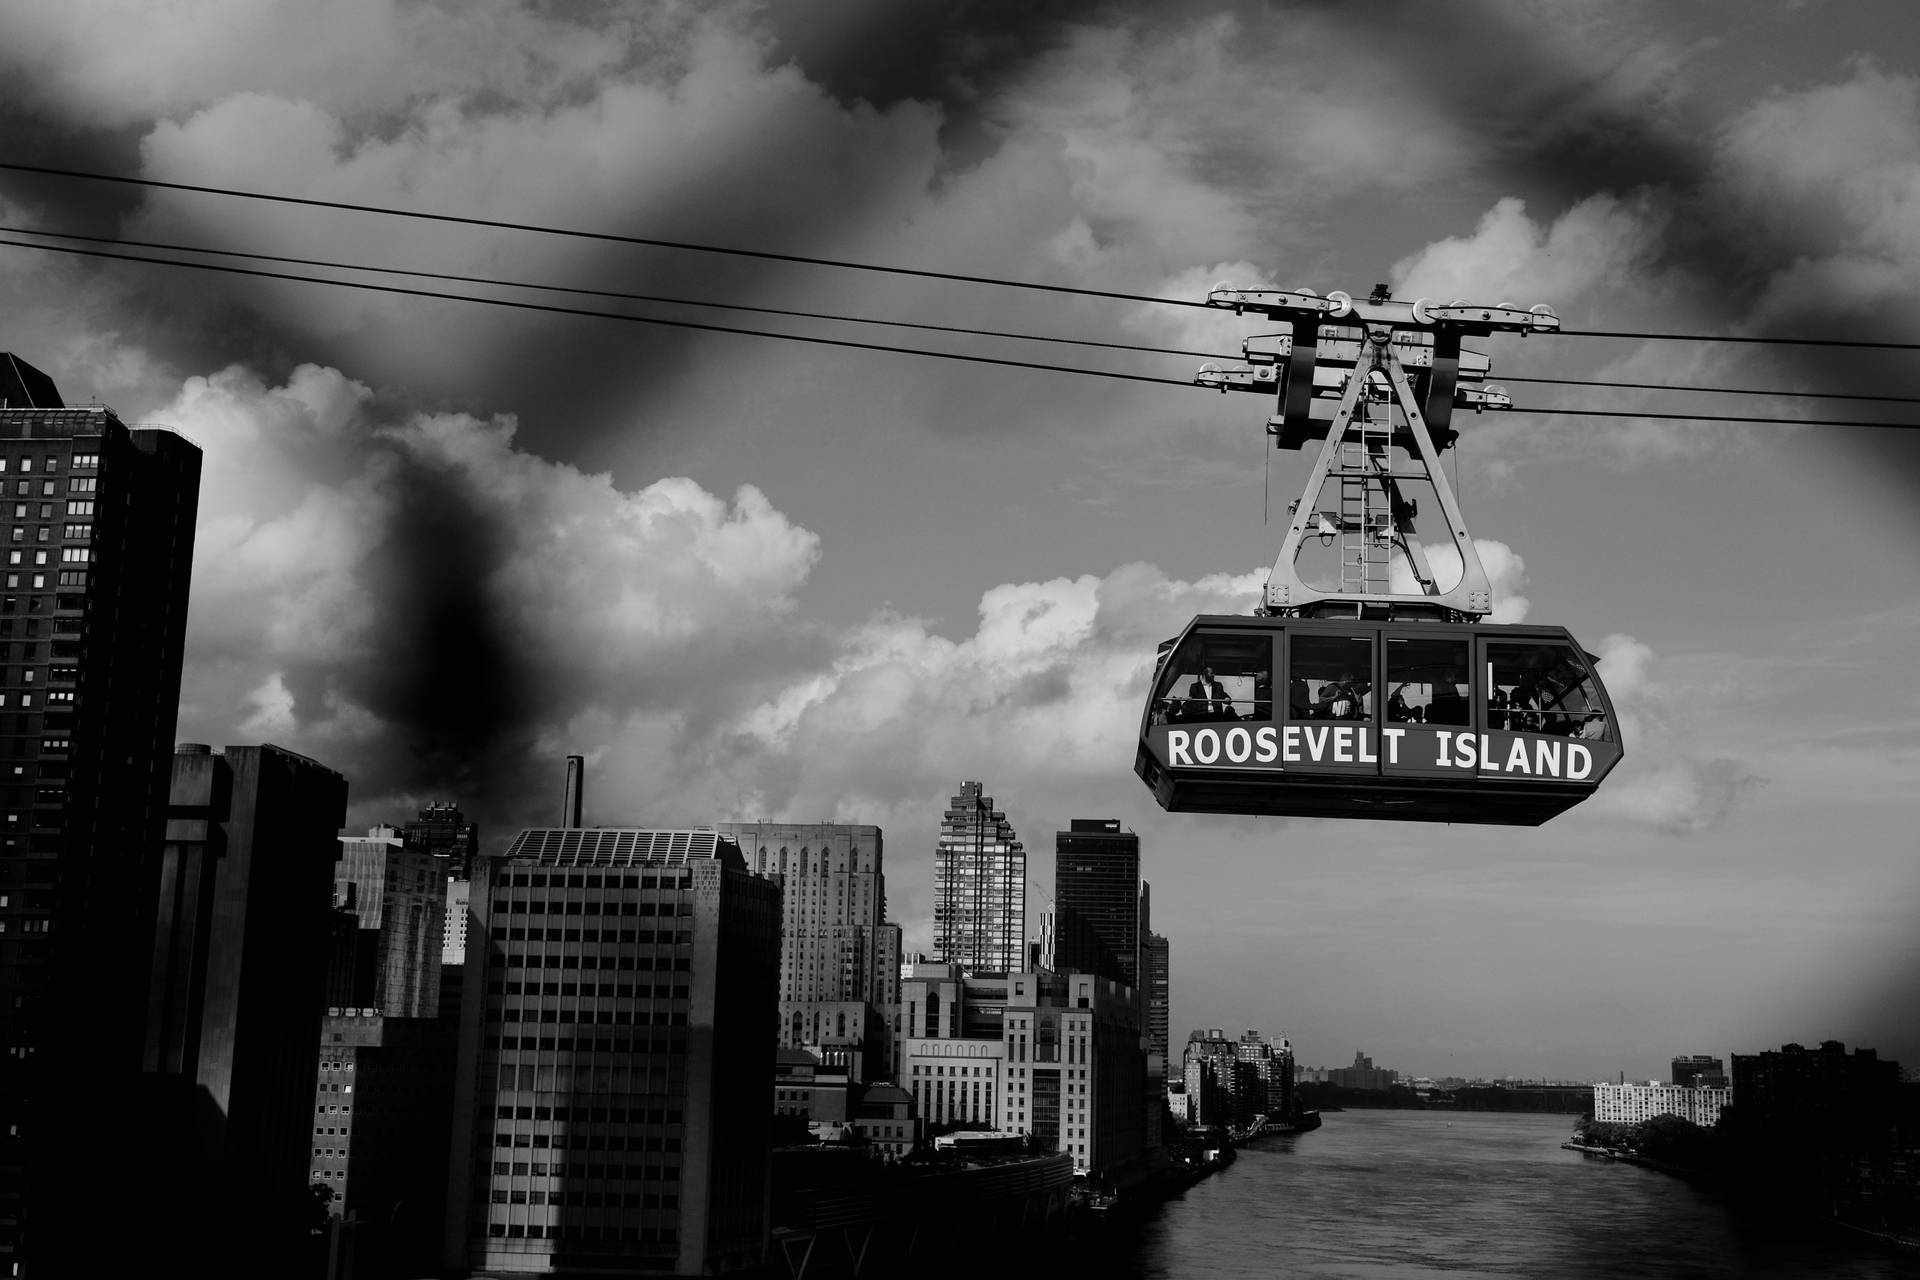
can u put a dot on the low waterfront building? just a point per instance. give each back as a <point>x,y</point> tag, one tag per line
<point>1638,1103</point>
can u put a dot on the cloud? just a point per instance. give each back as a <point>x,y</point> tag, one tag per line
<point>1602,242</point>
<point>418,598</point>
<point>1506,574</point>
<point>1667,781</point>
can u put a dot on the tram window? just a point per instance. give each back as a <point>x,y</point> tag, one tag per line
<point>1426,681</point>
<point>1332,678</point>
<point>1543,687</point>
<point>1238,688</point>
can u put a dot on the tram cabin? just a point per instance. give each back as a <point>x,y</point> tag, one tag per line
<point>1347,718</point>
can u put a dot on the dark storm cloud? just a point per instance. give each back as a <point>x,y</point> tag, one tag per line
<point>1555,126</point>
<point>445,675</point>
<point>951,52</point>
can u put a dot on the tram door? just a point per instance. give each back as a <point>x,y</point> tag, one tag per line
<point>1332,718</point>
<point>1428,705</point>
<point>1543,715</point>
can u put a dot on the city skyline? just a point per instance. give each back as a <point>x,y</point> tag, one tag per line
<point>441,545</point>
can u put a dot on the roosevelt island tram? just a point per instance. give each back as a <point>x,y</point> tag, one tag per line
<point>1363,687</point>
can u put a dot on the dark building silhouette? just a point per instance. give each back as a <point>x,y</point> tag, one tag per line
<point>444,831</point>
<point>1096,900</point>
<point>617,1039</point>
<point>1701,1071</point>
<point>238,977</point>
<point>96,536</point>
<point>1839,1133</point>
<point>383,1095</point>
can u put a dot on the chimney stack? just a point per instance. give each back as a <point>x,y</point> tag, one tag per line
<point>576,781</point>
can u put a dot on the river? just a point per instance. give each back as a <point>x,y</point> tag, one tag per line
<point>1401,1195</point>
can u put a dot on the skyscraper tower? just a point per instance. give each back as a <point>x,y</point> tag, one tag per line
<point>839,958</point>
<point>979,887</point>
<point>96,526</point>
<point>1096,895</point>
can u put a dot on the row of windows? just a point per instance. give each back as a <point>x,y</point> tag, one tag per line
<point>582,1044</point>
<point>627,1235</point>
<point>60,696</point>
<point>517,934</point>
<point>591,907</point>
<point>582,1169</point>
<point>51,462</point>
<point>574,960</point>
<point>654,1116</point>
<point>541,880</point>
<point>611,990</point>
<point>599,1115</point>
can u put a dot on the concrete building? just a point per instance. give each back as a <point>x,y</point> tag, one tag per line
<point>453,936</point>
<point>382,1116</point>
<point>616,1043</point>
<point>885,1120</point>
<point>1053,1055</point>
<point>238,976</point>
<point>979,887</point>
<point>805,1087</point>
<point>1636,1103</point>
<point>839,958</point>
<point>96,533</point>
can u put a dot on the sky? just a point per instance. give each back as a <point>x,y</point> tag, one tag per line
<point>441,545</point>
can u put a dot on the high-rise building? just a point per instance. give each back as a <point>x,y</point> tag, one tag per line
<point>398,894</point>
<point>98,525</point>
<point>382,1100</point>
<point>1700,1069</point>
<point>979,886</point>
<point>616,1043</point>
<point>1157,964</point>
<point>1096,899</point>
<point>443,831</point>
<point>839,958</point>
<point>238,976</point>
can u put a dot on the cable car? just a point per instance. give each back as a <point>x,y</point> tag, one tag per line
<point>1371,690</point>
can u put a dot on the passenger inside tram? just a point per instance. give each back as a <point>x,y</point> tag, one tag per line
<point>1543,687</point>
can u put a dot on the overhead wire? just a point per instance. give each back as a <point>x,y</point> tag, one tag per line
<point>610,237</point>
<point>492,282</point>
<point>834,317</point>
<point>838,263</point>
<point>554,309</point>
<point>815,339</point>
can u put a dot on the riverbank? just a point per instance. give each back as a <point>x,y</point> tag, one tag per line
<point>1896,1239</point>
<point>1648,1162</point>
